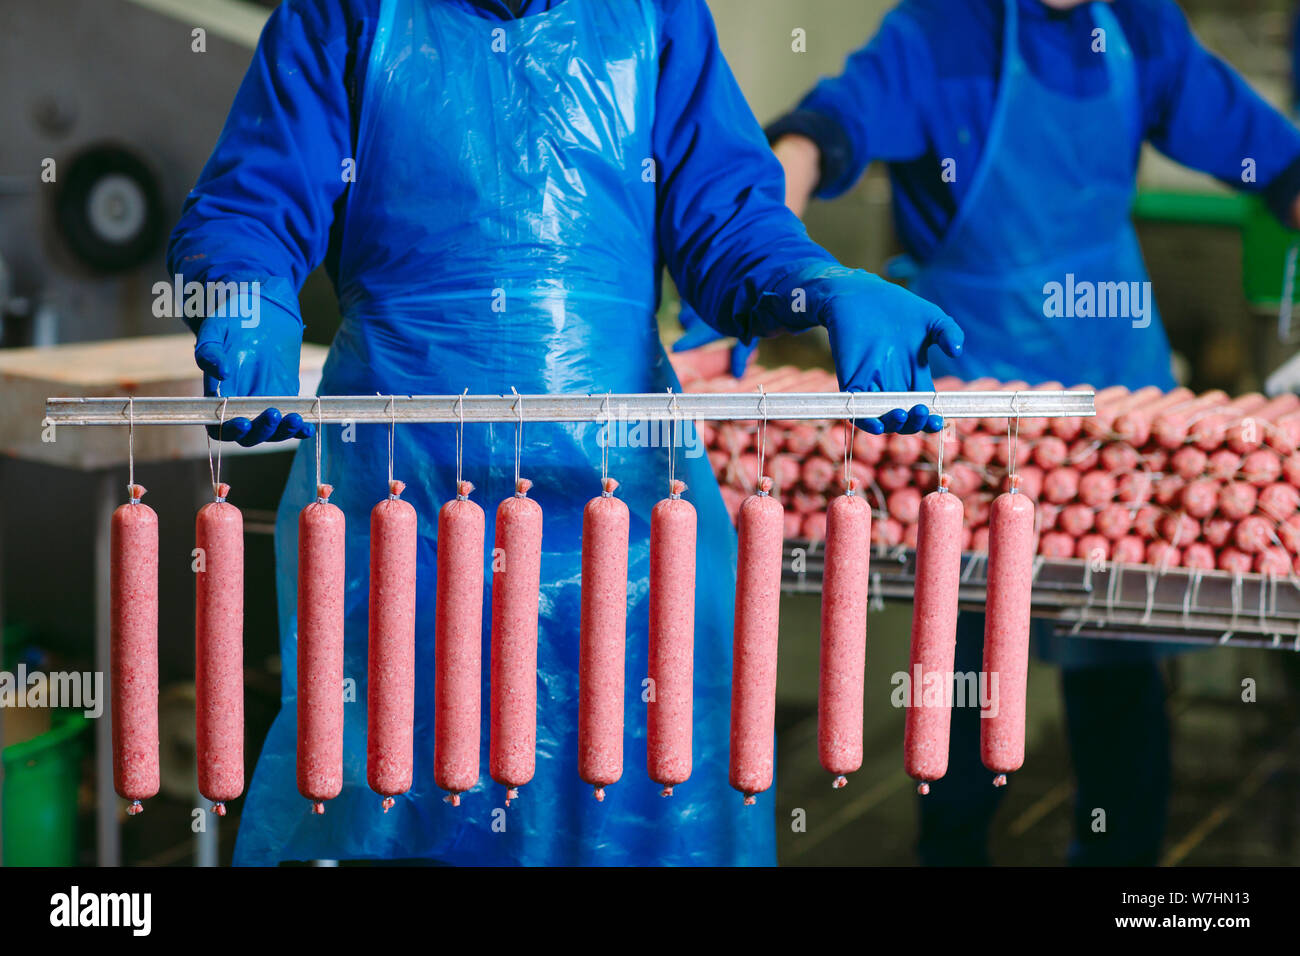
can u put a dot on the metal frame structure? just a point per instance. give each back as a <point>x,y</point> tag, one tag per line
<point>719,406</point>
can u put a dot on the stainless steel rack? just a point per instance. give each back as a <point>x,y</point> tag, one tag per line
<point>719,406</point>
<point>1118,601</point>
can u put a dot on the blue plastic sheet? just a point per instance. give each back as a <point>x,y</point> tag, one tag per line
<point>509,250</point>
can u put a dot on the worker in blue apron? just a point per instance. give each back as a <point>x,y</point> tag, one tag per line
<point>1012,130</point>
<point>494,188</point>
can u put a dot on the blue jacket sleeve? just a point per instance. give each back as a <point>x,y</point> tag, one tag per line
<point>733,248</point>
<point>263,206</point>
<point>875,109</point>
<point>1203,114</point>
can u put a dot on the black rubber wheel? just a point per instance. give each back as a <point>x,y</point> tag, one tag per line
<point>108,209</point>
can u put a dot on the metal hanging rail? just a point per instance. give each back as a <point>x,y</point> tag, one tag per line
<point>719,406</point>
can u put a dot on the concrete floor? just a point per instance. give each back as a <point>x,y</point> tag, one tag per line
<point>1236,774</point>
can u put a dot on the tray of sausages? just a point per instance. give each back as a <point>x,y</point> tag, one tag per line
<point>1165,480</point>
<point>1099,599</point>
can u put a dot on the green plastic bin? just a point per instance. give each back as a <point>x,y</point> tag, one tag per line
<point>41,779</point>
<point>1265,243</point>
<point>38,810</point>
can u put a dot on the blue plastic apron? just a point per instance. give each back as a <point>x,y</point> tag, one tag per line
<point>516,248</point>
<point>1050,205</point>
<point>1050,201</point>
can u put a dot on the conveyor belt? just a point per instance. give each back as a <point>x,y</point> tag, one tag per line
<point>1117,601</point>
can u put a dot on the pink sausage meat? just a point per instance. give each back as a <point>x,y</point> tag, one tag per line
<point>516,583</point>
<point>605,526</point>
<point>934,636</point>
<point>843,634</point>
<point>753,673</point>
<point>133,661</point>
<point>390,695</point>
<point>458,645</point>
<point>321,584</point>
<point>1006,634</point>
<point>219,650</point>
<point>671,656</point>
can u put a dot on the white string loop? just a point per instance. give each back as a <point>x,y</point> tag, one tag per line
<point>320,437</point>
<point>607,415</point>
<point>519,431</point>
<point>214,471</point>
<point>392,433</point>
<point>460,434</point>
<point>130,446</point>
<point>673,411</point>
<point>1013,443</point>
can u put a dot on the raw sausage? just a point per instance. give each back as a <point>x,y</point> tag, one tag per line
<point>1237,500</point>
<point>934,635</point>
<point>904,504</point>
<point>1114,521</point>
<point>1097,488</point>
<point>1171,429</point>
<point>603,629</point>
<point>1163,555</point>
<point>133,660</point>
<point>753,674</point>
<point>813,526</point>
<point>1201,497</point>
<point>1188,462</point>
<point>1198,554</point>
<point>1118,458</point>
<point>1212,431</point>
<point>1230,559</point>
<point>1069,428</point>
<point>321,583</point>
<point>1129,549</point>
<point>888,533</point>
<point>672,639</point>
<point>1093,547</point>
<point>1134,425</point>
<point>1006,634</point>
<point>219,650</point>
<point>1055,544</point>
<point>1279,501</point>
<point>516,582</point>
<point>390,692</point>
<point>1261,467</point>
<point>1061,485</point>
<point>1101,425</point>
<point>818,474</point>
<point>1248,434</point>
<point>458,645</point>
<point>843,634</point>
<point>1224,464</point>
<point>1048,453</point>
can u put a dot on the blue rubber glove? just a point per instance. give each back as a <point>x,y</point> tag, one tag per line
<point>880,335</point>
<point>252,348</point>
<point>699,332</point>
